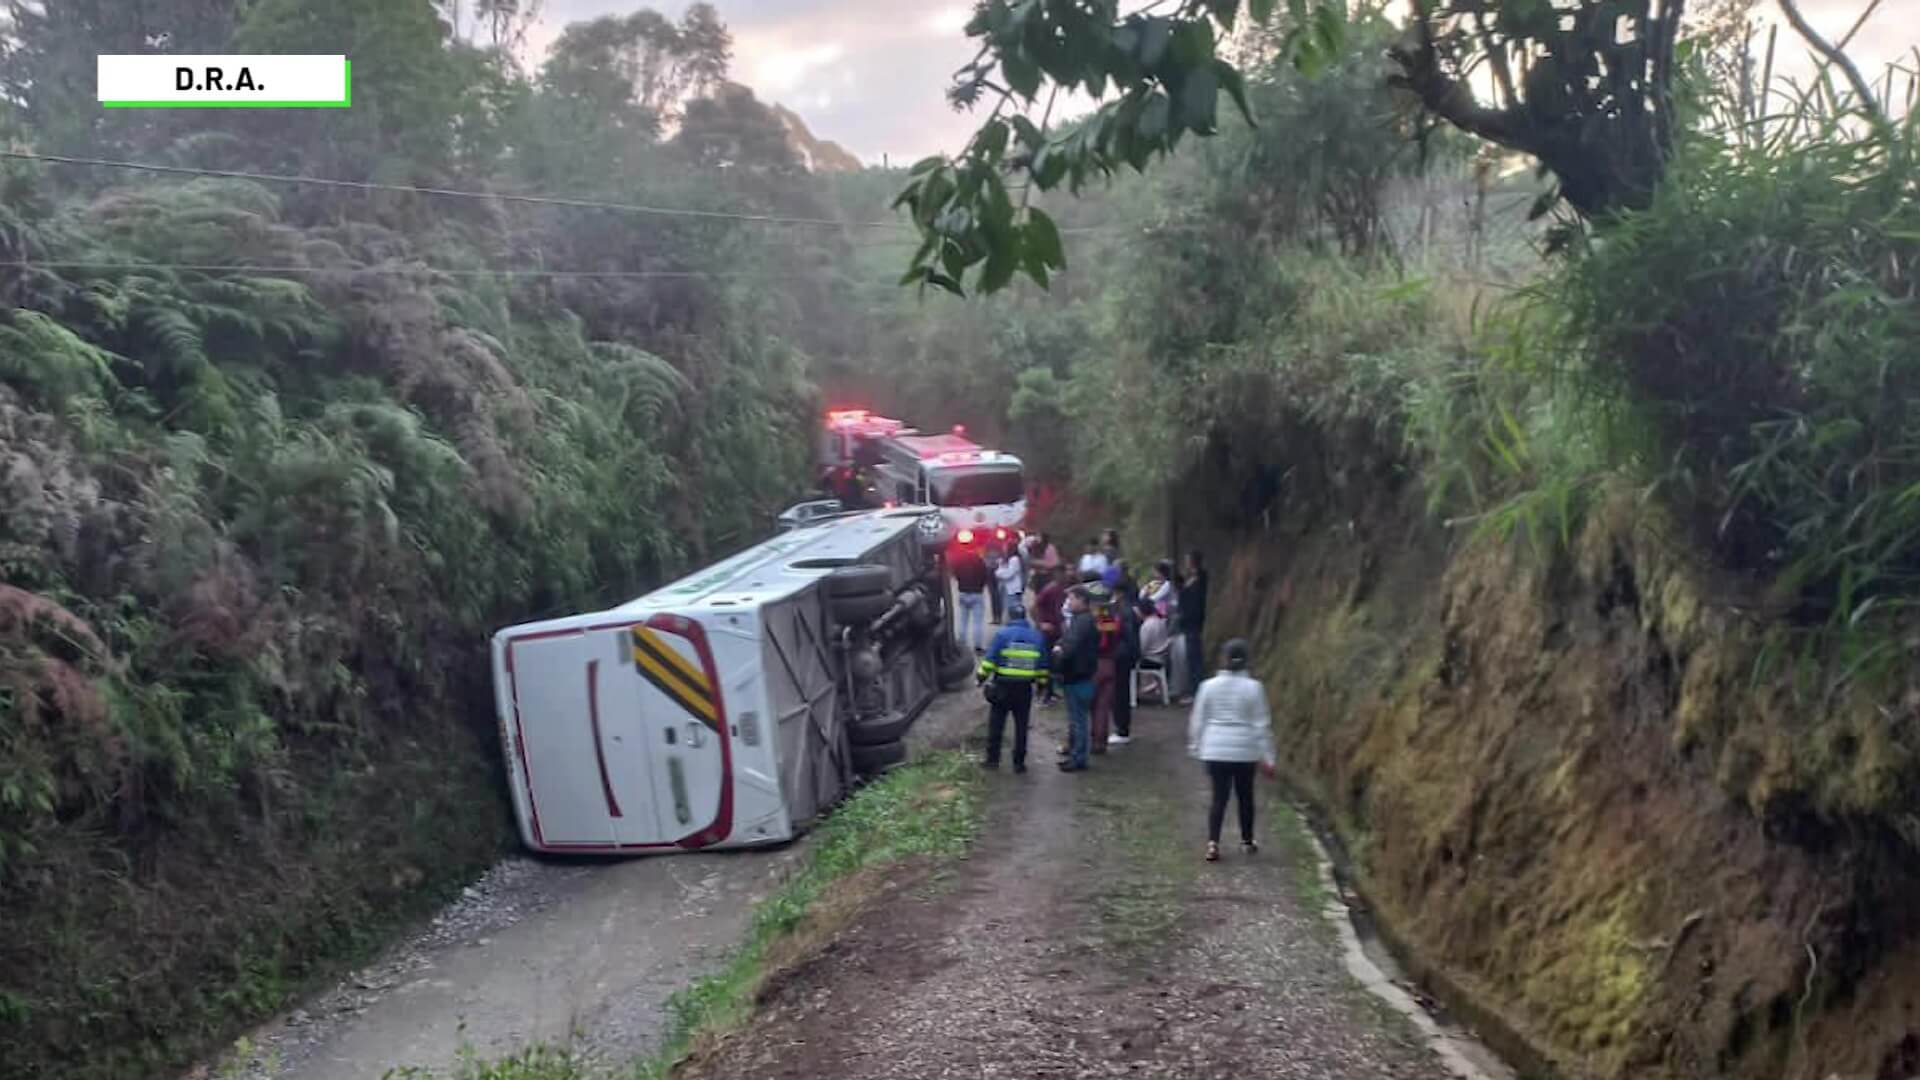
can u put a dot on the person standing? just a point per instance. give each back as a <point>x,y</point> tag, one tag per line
<point>1126,655</point>
<point>1107,627</point>
<point>1077,660</point>
<point>1231,732</point>
<point>993,558</point>
<point>1042,554</point>
<point>1015,663</point>
<point>1093,563</point>
<point>1110,544</point>
<point>1159,589</point>
<point>1193,619</point>
<point>1126,588</point>
<point>1049,609</point>
<point>1010,582</point>
<point>970,580</point>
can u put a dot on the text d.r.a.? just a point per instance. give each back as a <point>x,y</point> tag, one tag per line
<point>213,78</point>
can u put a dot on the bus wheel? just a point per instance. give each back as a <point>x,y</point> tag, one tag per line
<point>876,759</point>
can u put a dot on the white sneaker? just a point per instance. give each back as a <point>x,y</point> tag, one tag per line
<point>1118,740</point>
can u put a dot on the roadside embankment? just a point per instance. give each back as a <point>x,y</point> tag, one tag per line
<point>1579,792</point>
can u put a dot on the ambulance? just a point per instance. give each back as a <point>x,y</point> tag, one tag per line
<point>876,460</point>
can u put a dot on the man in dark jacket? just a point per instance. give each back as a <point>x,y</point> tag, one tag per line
<point>1076,660</point>
<point>971,578</point>
<point>1014,664</point>
<point>1193,619</point>
<point>1125,658</point>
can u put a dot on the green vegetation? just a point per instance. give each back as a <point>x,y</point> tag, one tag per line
<point>258,523</point>
<point>910,819</point>
<point>927,811</point>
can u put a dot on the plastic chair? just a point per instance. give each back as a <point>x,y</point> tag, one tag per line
<point>1155,676</point>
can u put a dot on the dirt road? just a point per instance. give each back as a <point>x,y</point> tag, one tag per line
<point>1085,937</point>
<point>584,954</point>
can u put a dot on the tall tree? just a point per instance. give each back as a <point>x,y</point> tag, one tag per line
<point>638,69</point>
<point>47,51</point>
<point>1585,86</point>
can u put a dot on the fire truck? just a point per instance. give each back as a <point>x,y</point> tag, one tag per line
<point>875,461</point>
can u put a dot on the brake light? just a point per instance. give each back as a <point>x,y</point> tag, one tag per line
<point>888,505</point>
<point>966,536</point>
<point>999,534</point>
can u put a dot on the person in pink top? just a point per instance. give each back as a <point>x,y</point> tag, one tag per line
<point>1041,554</point>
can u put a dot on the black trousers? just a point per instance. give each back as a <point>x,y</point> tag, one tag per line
<point>1123,702</point>
<point>1019,705</point>
<point>997,601</point>
<point>1235,778</point>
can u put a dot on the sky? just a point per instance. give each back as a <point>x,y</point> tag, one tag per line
<point>872,74</point>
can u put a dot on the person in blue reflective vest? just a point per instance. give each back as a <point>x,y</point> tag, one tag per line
<point>1014,665</point>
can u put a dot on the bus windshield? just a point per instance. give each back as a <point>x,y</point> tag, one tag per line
<point>979,487</point>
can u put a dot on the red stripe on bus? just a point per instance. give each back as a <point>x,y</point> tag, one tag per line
<point>599,749</point>
<point>722,823</point>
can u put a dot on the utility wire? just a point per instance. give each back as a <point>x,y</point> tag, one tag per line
<point>243,268</point>
<point>455,193</point>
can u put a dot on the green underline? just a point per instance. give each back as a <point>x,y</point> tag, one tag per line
<point>346,101</point>
<point>225,104</point>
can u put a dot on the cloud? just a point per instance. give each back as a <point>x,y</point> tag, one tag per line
<point>782,70</point>
<point>949,20</point>
<point>873,74</point>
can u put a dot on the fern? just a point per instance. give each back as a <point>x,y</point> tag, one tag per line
<point>49,363</point>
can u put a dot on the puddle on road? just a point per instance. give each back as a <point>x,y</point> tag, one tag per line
<point>1373,966</point>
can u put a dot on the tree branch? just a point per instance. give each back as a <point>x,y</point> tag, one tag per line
<point>1869,104</point>
<point>1502,73</point>
<point>1449,98</point>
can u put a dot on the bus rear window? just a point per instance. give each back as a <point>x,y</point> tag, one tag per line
<point>987,488</point>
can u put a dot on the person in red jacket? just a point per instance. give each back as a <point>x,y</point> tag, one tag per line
<point>1108,626</point>
<point>1048,614</point>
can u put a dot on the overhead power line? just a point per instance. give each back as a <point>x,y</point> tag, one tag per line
<point>451,193</point>
<point>497,196</point>
<point>245,268</point>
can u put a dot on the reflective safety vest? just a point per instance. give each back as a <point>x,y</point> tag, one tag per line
<point>1018,652</point>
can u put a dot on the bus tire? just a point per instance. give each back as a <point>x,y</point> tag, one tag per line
<point>860,581</point>
<point>854,610</point>
<point>889,727</point>
<point>955,671</point>
<point>869,760</point>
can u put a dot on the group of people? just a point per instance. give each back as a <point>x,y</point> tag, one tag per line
<point>1092,625</point>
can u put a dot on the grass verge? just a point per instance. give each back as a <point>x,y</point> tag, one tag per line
<point>926,812</point>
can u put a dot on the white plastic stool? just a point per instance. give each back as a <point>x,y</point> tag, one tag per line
<point>1157,677</point>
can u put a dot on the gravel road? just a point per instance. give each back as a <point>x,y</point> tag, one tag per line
<point>1086,938</point>
<point>577,953</point>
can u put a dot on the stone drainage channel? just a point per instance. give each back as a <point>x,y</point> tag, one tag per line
<point>1372,964</point>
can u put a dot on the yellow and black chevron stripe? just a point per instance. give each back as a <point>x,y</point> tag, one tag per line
<point>673,675</point>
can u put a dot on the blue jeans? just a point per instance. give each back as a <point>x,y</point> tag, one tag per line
<point>973,622</point>
<point>1079,721</point>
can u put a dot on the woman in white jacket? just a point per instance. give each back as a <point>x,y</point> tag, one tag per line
<point>1231,730</point>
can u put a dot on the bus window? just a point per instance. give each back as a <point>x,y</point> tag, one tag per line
<point>996,487</point>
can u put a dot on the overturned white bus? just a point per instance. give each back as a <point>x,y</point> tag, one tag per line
<point>730,708</point>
